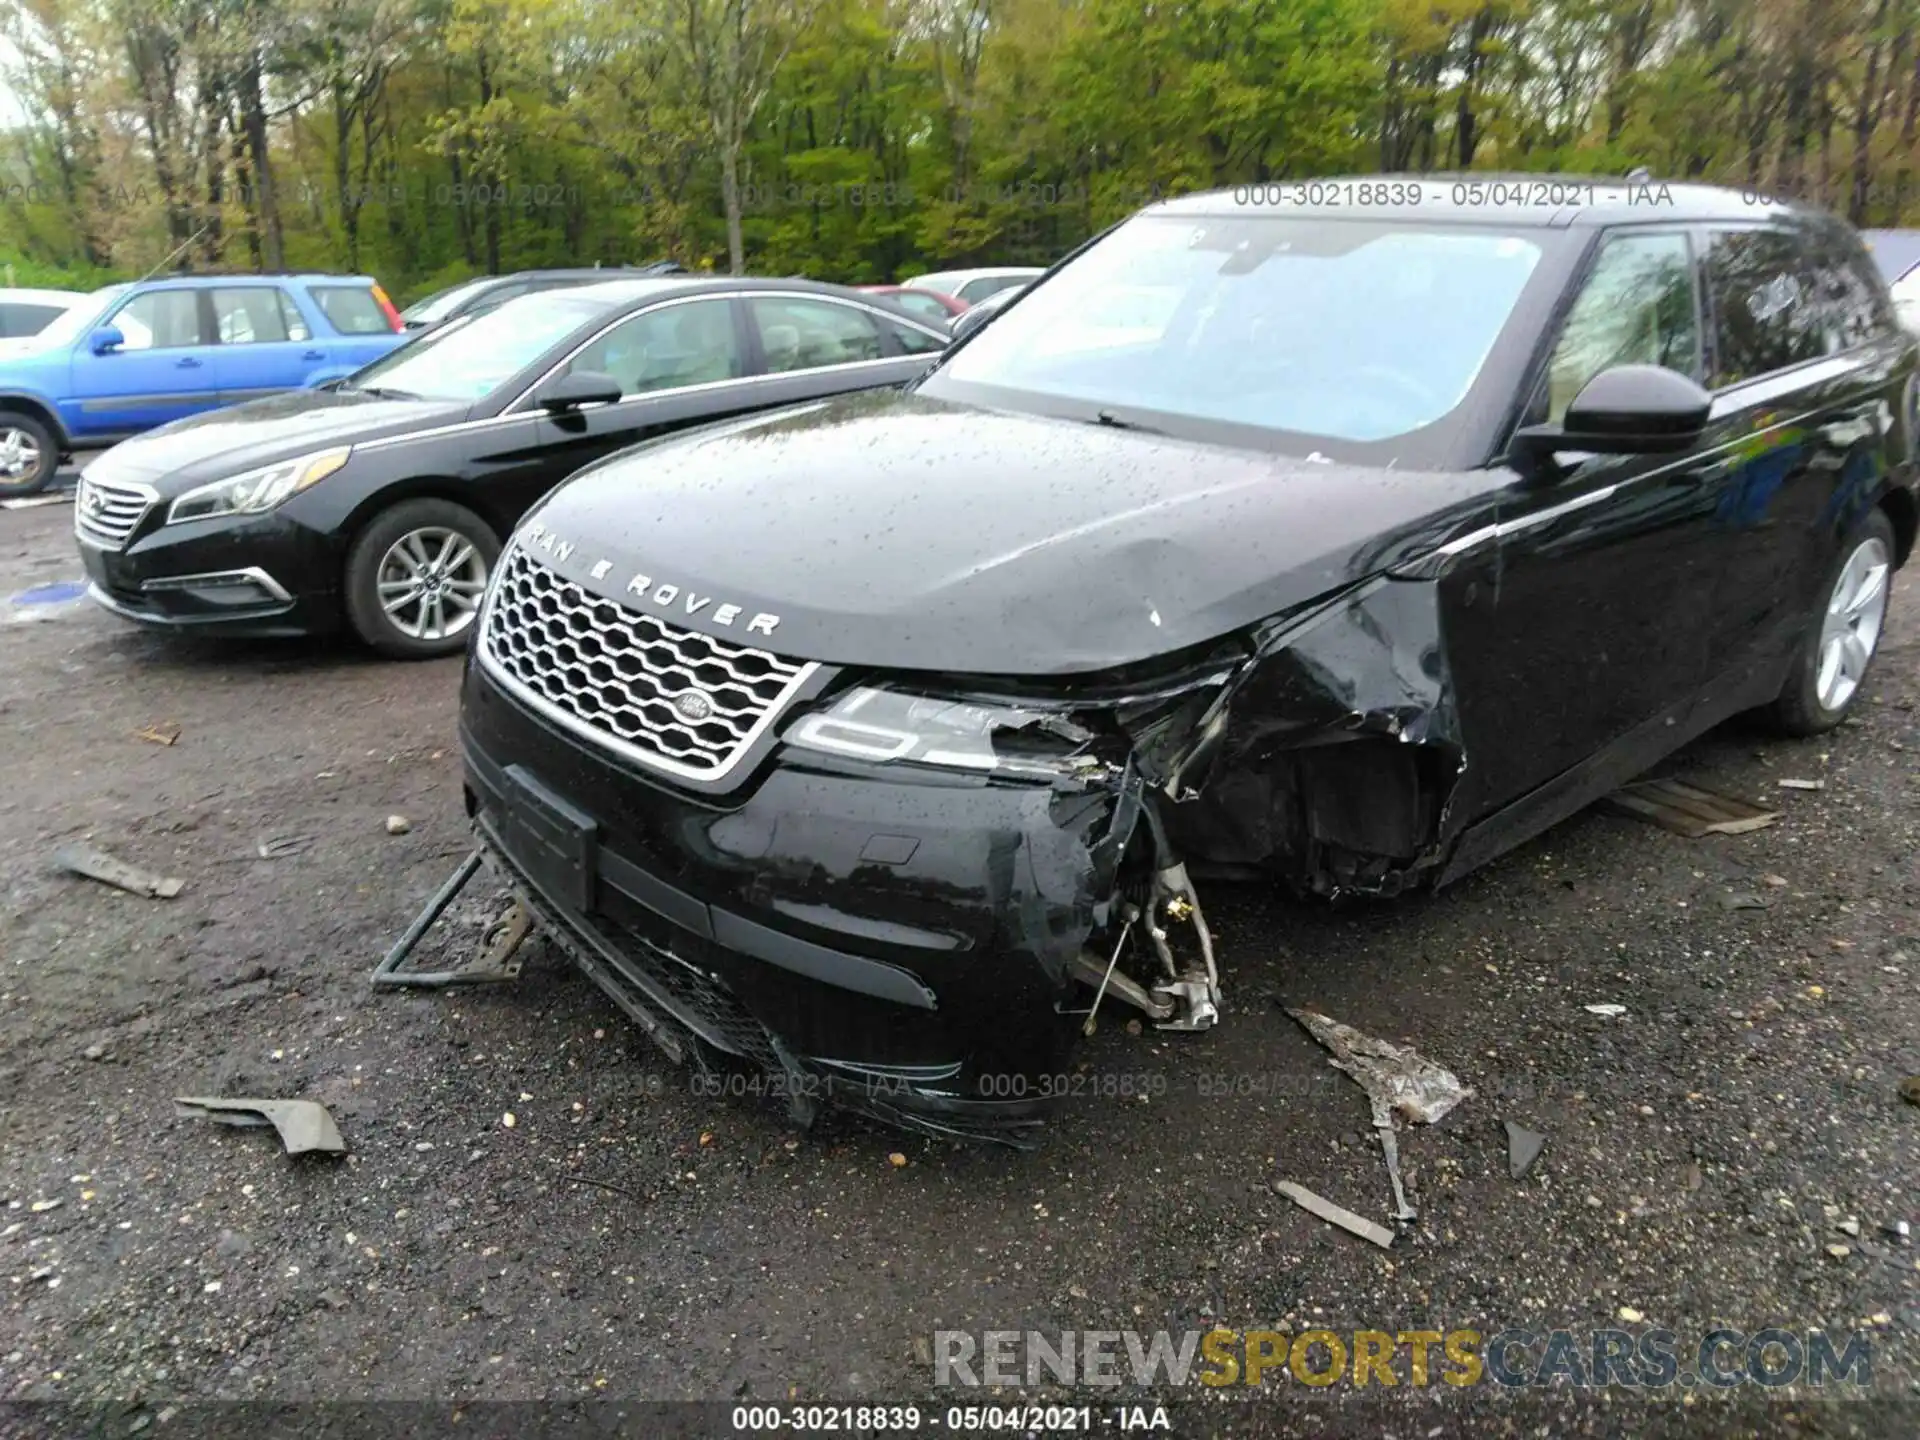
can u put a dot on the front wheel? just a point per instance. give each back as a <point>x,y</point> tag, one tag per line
<point>1841,636</point>
<point>28,454</point>
<point>415,577</point>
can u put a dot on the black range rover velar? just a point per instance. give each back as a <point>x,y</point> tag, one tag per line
<point>877,742</point>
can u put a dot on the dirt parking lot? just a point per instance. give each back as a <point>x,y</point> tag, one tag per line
<point>1709,1152</point>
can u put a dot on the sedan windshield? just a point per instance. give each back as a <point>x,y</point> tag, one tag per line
<point>1344,330</point>
<point>466,360</point>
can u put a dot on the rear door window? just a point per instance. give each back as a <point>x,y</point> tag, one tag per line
<point>249,316</point>
<point>1764,315</point>
<point>1846,298</point>
<point>806,334</point>
<point>351,309</point>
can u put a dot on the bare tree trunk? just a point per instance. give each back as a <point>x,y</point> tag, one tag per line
<point>730,194</point>
<point>253,119</point>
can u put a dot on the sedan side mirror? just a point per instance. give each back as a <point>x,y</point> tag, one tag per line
<point>1628,410</point>
<point>106,339</point>
<point>577,388</point>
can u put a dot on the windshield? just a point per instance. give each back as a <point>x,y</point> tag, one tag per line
<point>71,324</point>
<point>468,359</point>
<point>1344,330</point>
<point>443,302</point>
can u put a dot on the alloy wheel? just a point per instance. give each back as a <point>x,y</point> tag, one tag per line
<point>430,582</point>
<point>1850,628</point>
<point>19,454</point>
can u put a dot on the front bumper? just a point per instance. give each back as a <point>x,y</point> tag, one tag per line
<point>256,575</point>
<point>898,946</point>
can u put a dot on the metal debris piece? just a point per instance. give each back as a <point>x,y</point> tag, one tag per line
<point>1611,1012</point>
<point>1400,1077</point>
<point>157,735</point>
<point>304,1125</point>
<point>282,846</point>
<point>1395,1077</point>
<point>499,957</point>
<point>83,859</point>
<point>1688,810</point>
<point>1336,1214</point>
<point>1523,1148</point>
<point>1803,784</point>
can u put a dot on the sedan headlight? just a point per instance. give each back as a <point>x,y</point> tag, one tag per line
<point>257,490</point>
<point>886,726</point>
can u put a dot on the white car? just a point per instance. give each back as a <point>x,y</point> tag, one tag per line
<point>973,286</point>
<point>28,312</point>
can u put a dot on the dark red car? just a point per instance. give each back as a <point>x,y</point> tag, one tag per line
<point>923,304</point>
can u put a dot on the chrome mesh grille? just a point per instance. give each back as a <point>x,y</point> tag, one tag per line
<point>615,673</point>
<point>106,514</point>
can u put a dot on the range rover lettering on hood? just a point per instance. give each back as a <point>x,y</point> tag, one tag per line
<point>661,595</point>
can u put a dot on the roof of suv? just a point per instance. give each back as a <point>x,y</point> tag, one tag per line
<point>244,276</point>
<point>1531,201</point>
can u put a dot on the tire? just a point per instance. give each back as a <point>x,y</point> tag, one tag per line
<point>29,454</point>
<point>1842,635</point>
<point>415,576</point>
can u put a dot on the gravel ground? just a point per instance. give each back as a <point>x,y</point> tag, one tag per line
<point>625,1237</point>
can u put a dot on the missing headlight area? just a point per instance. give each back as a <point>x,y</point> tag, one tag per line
<point>1324,757</point>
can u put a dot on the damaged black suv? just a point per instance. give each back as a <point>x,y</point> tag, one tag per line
<point>874,742</point>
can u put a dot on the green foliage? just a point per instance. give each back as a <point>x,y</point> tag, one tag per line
<point>425,141</point>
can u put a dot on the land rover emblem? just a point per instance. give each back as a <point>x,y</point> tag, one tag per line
<point>692,706</point>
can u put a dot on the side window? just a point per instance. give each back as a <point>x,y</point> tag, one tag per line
<point>922,303</point>
<point>351,309</point>
<point>913,341</point>
<point>974,291</point>
<point>248,317</point>
<point>291,318</point>
<point>1847,302</point>
<point>664,348</point>
<point>159,320</point>
<point>1762,316</point>
<point>1636,308</point>
<point>806,334</point>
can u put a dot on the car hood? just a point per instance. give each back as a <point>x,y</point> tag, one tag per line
<point>896,531</point>
<point>211,446</point>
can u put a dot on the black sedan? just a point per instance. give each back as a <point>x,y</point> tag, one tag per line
<point>1345,546</point>
<point>381,500</point>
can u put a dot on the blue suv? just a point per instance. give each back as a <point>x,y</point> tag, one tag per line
<point>133,356</point>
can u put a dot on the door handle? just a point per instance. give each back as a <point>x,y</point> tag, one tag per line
<point>313,354</point>
<point>186,362</point>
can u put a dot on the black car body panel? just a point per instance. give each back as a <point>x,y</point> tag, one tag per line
<point>495,455</point>
<point>861,741</point>
<point>1041,547</point>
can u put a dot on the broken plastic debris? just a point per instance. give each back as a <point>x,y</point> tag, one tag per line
<point>1398,1077</point>
<point>82,859</point>
<point>1395,1078</point>
<point>1523,1148</point>
<point>1803,784</point>
<point>1688,810</point>
<point>304,1125</point>
<point>159,735</point>
<point>1336,1214</point>
<point>1612,1012</point>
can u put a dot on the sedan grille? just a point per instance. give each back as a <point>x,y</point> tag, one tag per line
<point>105,514</point>
<point>672,699</point>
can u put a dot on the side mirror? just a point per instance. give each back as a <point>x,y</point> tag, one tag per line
<point>106,339</point>
<point>577,388</point>
<point>1628,410</point>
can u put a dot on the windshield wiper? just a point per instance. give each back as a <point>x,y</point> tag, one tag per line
<point>1108,418</point>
